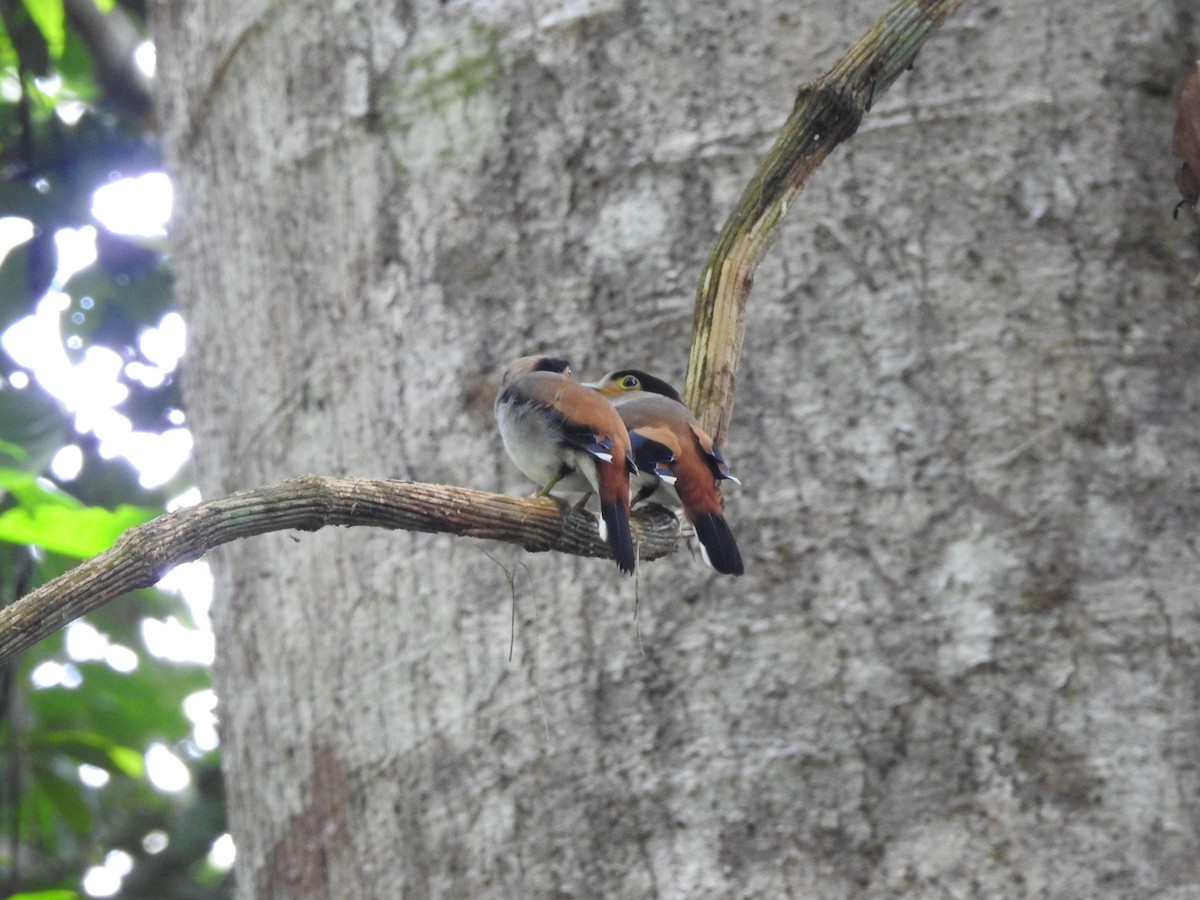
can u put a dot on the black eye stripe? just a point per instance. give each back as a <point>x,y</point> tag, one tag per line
<point>552,364</point>
<point>637,380</point>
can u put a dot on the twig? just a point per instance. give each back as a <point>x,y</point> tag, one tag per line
<point>826,113</point>
<point>142,555</point>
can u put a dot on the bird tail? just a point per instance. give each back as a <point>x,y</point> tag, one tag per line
<point>717,545</point>
<point>613,484</point>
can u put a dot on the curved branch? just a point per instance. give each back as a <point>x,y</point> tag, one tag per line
<point>826,113</point>
<point>142,555</point>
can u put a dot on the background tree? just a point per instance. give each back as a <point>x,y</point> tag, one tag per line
<point>76,728</point>
<point>963,659</point>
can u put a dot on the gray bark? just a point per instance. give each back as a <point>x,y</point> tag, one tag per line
<point>964,660</point>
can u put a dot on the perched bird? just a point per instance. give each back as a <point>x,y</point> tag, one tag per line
<point>677,461</point>
<point>558,431</point>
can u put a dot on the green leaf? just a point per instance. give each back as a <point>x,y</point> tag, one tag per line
<point>81,533</point>
<point>26,37</point>
<point>50,20</point>
<point>8,53</point>
<point>67,798</point>
<point>127,761</point>
<point>25,275</point>
<point>33,420</point>
<point>75,68</point>
<point>11,450</point>
<point>52,894</point>
<point>140,706</point>
<point>58,522</point>
<point>24,488</point>
<point>91,748</point>
<point>105,6</point>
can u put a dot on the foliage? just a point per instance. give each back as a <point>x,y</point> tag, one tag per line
<point>62,136</point>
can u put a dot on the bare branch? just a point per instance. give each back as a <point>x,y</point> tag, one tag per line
<point>826,113</point>
<point>144,554</point>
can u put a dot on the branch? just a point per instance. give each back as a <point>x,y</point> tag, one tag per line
<point>112,39</point>
<point>826,113</point>
<point>142,555</point>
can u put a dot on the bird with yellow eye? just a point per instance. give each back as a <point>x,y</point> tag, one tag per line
<point>678,464</point>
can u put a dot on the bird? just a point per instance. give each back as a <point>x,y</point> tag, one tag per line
<point>677,462</point>
<point>560,433</point>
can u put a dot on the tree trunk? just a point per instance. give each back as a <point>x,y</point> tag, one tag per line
<point>965,658</point>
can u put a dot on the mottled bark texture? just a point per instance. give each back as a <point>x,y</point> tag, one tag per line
<point>965,658</point>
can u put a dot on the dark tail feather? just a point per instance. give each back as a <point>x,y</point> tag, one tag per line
<point>717,543</point>
<point>620,536</point>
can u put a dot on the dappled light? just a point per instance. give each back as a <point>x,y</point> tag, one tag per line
<point>55,674</point>
<point>94,439</point>
<point>105,880</point>
<point>223,853</point>
<point>165,770</point>
<point>173,641</point>
<point>67,463</point>
<point>91,387</point>
<point>136,206</point>
<point>93,776</point>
